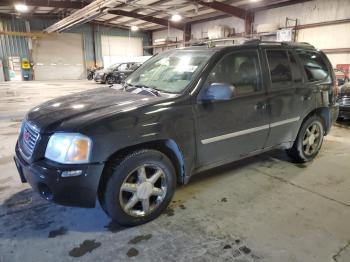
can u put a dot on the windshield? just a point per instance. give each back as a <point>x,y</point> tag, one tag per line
<point>171,71</point>
<point>113,66</point>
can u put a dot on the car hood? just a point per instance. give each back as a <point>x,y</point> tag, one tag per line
<point>80,108</point>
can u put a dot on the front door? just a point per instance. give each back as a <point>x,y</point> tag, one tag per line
<point>228,130</point>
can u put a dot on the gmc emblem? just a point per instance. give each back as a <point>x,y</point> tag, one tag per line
<point>26,136</point>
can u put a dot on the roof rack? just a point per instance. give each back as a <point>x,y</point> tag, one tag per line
<point>260,42</point>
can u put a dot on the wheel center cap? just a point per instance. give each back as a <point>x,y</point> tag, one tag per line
<point>312,139</point>
<point>144,190</point>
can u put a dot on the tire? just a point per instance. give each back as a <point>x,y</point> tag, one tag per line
<point>133,181</point>
<point>299,151</point>
<point>110,80</point>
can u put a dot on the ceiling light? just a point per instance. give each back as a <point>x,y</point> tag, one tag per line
<point>21,7</point>
<point>176,18</point>
<point>134,28</point>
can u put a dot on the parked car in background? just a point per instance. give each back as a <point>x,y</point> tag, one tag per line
<point>182,112</point>
<point>91,72</point>
<point>116,73</point>
<point>344,100</point>
<point>340,76</point>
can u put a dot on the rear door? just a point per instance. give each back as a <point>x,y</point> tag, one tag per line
<point>289,95</point>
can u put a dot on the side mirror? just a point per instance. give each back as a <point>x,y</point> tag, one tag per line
<point>219,92</point>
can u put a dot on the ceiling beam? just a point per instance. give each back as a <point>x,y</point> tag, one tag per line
<point>282,4</point>
<point>46,3</point>
<point>34,9</point>
<point>225,8</point>
<point>110,25</point>
<point>148,18</point>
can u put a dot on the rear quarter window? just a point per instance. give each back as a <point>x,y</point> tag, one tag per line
<point>314,65</point>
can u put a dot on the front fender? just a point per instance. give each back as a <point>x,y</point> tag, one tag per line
<point>140,127</point>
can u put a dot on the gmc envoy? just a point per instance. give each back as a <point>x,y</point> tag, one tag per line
<point>182,112</point>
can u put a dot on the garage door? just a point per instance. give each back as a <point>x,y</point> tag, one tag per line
<point>58,57</point>
<point>117,46</point>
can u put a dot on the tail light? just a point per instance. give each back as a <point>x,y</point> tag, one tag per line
<point>335,86</point>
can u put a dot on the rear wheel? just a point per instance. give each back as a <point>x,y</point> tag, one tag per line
<point>309,140</point>
<point>140,188</point>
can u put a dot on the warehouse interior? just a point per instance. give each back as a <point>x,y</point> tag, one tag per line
<point>264,207</point>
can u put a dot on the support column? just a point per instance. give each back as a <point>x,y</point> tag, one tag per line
<point>249,21</point>
<point>187,33</point>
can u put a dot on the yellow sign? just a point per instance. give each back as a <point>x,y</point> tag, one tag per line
<point>25,64</point>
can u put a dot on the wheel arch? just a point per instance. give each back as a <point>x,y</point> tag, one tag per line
<point>325,114</point>
<point>165,146</point>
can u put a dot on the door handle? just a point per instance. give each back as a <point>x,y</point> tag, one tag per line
<point>306,98</point>
<point>260,106</point>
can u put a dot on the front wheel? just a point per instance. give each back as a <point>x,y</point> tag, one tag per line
<point>110,80</point>
<point>309,140</point>
<point>140,188</point>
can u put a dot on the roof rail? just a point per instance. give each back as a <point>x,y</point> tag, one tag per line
<point>260,42</point>
<point>300,44</point>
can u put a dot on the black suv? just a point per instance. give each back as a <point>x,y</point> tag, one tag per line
<point>182,112</point>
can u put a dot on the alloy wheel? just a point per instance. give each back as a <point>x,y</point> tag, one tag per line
<point>312,139</point>
<point>143,190</point>
<point>110,80</point>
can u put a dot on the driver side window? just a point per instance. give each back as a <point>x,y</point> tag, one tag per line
<point>241,70</point>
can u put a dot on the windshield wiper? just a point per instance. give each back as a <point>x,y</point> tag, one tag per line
<point>151,90</point>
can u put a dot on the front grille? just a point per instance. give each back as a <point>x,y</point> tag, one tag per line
<point>29,138</point>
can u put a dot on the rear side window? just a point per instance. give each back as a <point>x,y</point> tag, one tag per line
<point>314,65</point>
<point>279,65</point>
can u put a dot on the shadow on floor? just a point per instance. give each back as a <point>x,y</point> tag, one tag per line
<point>25,214</point>
<point>228,169</point>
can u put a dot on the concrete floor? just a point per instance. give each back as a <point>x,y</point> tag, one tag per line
<point>260,209</point>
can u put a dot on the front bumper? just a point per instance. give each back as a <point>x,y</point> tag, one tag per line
<point>100,78</point>
<point>45,178</point>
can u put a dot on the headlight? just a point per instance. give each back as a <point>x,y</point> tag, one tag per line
<point>67,148</point>
<point>21,128</point>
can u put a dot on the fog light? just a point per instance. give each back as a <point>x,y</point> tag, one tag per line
<point>72,173</point>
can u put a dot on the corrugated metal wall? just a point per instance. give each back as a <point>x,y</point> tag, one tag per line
<point>18,46</point>
<point>12,45</point>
